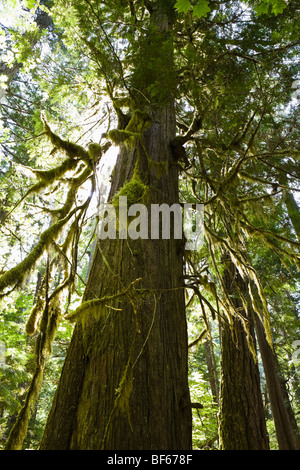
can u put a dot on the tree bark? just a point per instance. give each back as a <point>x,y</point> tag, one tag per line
<point>241,413</point>
<point>136,344</point>
<point>286,426</point>
<point>124,384</point>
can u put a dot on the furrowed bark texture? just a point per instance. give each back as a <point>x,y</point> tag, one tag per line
<point>124,382</point>
<point>241,414</point>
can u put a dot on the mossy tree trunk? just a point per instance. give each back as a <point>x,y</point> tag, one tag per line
<point>241,413</point>
<point>135,344</point>
<point>124,384</point>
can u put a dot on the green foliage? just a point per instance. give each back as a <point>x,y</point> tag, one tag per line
<point>16,372</point>
<point>17,274</point>
<point>154,76</point>
<point>274,6</point>
<point>200,9</point>
<point>183,5</point>
<point>30,3</point>
<point>205,423</point>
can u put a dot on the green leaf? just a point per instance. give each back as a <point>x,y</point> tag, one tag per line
<point>278,6</point>
<point>183,6</point>
<point>262,9</point>
<point>201,9</point>
<point>29,3</point>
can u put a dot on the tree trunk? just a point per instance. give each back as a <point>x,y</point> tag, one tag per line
<point>286,426</point>
<point>124,384</point>
<point>241,413</point>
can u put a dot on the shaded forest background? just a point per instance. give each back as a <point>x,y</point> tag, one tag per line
<point>235,89</point>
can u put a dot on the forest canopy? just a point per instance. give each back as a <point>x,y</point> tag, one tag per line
<point>164,102</point>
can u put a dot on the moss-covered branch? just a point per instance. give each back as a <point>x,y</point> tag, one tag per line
<point>17,274</point>
<point>49,323</point>
<point>134,130</point>
<point>48,177</point>
<point>73,151</point>
<point>89,305</point>
<point>74,184</point>
<point>197,340</point>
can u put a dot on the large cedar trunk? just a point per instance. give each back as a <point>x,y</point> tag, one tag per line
<point>124,384</point>
<point>242,422</point>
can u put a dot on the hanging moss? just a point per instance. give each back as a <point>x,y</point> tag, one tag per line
<point>55,315</point>
<point>95,152</point>
<point>31,324</point>
<point>43,348</point>
<point>73,151</point>
<point>19,429</point>
<point>74,183</point>
<point>92,306</point>
<point>119,137</point>
<point>36,188</point>
<point>48,176</point>
<point>84,307</point>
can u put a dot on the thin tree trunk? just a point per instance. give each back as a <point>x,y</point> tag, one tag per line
<point>212,368</point>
